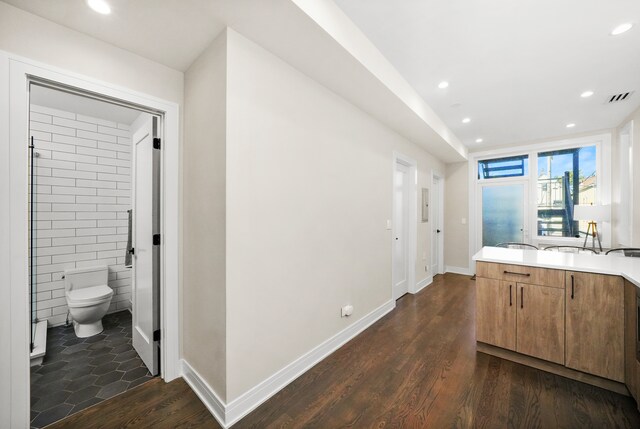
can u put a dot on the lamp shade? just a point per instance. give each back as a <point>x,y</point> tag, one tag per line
<point>590,212</point>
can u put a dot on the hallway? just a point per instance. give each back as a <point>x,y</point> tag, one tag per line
<point>415,368</point>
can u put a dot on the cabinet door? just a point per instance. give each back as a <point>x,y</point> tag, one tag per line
<point>595,324</point>
<point>540,322</point>
<point>630,326</point>
<point>495,312</point>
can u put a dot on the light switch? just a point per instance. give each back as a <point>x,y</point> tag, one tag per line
<point>389,224</point>
<point>464,220</point>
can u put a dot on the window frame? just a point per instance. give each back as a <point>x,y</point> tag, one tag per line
<point>601,141</point>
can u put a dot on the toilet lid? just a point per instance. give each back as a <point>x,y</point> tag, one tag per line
<point>89,294</point>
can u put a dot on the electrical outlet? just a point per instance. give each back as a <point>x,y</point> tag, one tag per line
<point>347,310</point>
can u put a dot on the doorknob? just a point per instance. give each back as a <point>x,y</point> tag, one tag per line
<point>396,238</point>
<point>438,231</point>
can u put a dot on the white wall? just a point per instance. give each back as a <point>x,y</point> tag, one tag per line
<point>204,302</point>
<point>82,191</point>
<point>38,39</point>
<point>635,219</point>
<point>456,208</point>
<point>309,191</point>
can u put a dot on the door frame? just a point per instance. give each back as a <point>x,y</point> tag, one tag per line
<point>438,242</point>
<point>399,158</point>
<point>15,72</point>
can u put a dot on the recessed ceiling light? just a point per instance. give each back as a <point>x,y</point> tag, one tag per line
<point>444,84</point>
<point>466,120</point>
<point>586,94</point>
<point>100,6</point>
<point>478,140</point>
<point>571,125</point>
<point>622,28</point>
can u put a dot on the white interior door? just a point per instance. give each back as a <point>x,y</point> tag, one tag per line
<point>144,293</point>
<point>436,226</point>
<point>400,230</point>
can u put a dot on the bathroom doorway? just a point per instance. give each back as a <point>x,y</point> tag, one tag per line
<point>94,248</point>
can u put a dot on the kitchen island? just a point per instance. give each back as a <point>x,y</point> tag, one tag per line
<point>574,315</point>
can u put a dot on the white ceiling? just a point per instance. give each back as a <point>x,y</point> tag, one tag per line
<point>516,68</point>
<point>60,100</point>
<point>170,32</point>
<point>314,36</point>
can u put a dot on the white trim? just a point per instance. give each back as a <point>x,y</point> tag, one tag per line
<point>625,238</point>
<point>228,414</point>
<point>250,400</point>
<point>413,217</point>
<point>602,141</point>
<point>6,391</point>
<point>16,356</point>
<point>440,226</point>
<point>423,284</point>
<point>458,270</point>
<point>207,395</point>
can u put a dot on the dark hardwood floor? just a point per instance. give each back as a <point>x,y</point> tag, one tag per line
<point>415,368</point>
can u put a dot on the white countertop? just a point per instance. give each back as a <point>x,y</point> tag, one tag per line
<point>627,267</point>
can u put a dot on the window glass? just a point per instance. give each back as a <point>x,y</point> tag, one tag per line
<point>566,178</point>
<point>513,166</point>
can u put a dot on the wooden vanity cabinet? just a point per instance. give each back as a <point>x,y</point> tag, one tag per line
<point>595,324</point>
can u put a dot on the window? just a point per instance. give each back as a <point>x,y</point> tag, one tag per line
<point>566,178</point>
<point>513,166</point>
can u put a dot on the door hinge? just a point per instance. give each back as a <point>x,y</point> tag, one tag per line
<point>156,335</point>
<point>156,143</point>
<point>156,239</point>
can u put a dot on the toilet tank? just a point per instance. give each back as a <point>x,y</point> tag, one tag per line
<point>78,278</point>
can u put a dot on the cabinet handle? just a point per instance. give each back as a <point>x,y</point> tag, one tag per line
<point>572,285</point>
<point>510,298</point>
<point>518,274</point>
<point>521,297</point>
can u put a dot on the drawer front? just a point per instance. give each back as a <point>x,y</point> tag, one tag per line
<point>521,274</point>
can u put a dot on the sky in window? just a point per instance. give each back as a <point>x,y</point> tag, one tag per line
<point>562,163</point>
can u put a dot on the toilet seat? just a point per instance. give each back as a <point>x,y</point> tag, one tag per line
<point>89,296</point>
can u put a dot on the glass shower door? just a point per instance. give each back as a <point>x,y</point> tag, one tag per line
<point>504,217</point>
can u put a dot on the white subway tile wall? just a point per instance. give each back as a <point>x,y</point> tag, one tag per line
<point>82,181</point>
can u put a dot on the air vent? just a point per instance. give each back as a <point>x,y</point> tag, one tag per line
<point>620,97</point>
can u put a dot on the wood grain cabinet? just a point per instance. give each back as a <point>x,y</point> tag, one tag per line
<point>521,309</point>
<point>540,322</point>
<point>631,364</point>
<point>496,312</point>
<point>595,324</point>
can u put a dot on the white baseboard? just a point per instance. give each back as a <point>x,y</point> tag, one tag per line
<point>423,283</point>
<point>207,395</point>
<point>457,270</point>
<point>228,414</point>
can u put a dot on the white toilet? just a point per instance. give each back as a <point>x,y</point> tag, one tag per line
<point>88,298</point>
